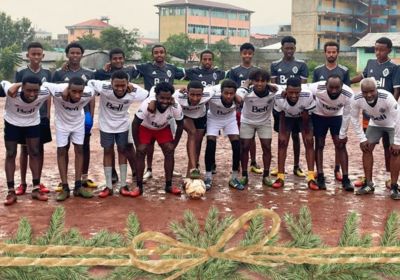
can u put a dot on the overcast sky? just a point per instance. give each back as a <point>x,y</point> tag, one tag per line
<point>53,15</point>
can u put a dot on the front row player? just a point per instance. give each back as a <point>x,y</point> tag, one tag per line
<point>294,114</point>
<point>384,117</point>
<point>21,124</point>
<point>149,127</point>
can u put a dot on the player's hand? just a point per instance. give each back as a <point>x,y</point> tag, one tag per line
<point>65,95</point>
<point>13,90</point>
<point>246,84</point>
<point>183,90</point>
<point>238,100</point>
<point>395,149</point>
<point>283,94</point>
<point>365,146</point>
<point>141,148</point>
<point>172,101</point>
<point>65,66</point>
<point>151,108</point>
<point>272,87</point>
<point>107,67</point>
<point>131,88</point>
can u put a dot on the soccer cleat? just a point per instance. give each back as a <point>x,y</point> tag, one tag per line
<point>394,192</point>
<point>366,189</point>
<point>82,192</point>
<point>36,194</point>
<point>321,183</point>
<point>194,174</point>
<point>173,190</point>
<point>388,184</point>
<point>208,183</point>
<point>359,182</point>
<point>125,191</point>
<point>147,175</point>
<point>43,189</point>
<point>214,169</point>
<point>266,181</point>
<point>256,169</point>
<point>59,188</point>
<point>11,198</point>
<point>274,172</point>
<point>89,183</point>
<point>236,184</point>
<point>106,192</point>
<point>347,186</point>
<point>244,181</point>
<point>298,172</point>
<point>136,192</point>
<point>176,173</point>
<point>312,185</point>
<point>21,189</point>
<point>63,195</point>
<point>279,183</point>
<point>114,176</point>
<point>338,176</point>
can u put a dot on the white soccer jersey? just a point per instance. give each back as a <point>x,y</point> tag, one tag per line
<point>19,113</point>
<point>385,113</point>
<point>306,102</point>
<point>327,107</point>
<point>69,116</point>
<point>217,110</point>
<point>158,120</point>
<point>256,110</point>
<point>113,112</point>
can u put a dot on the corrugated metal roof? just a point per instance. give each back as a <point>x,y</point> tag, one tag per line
<point>203,3</point>
<point>369,39</point>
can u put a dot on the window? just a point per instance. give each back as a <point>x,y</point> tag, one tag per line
<point>243,32</point>
<point>197,29</point>
<point>219,14</point>
<point>173,11</point>
<point>244,16</point>
<point>232,32</point>
<point>71,32</point>
<point>221,31</point>
<point>198,12</point>
<point>232,15</point>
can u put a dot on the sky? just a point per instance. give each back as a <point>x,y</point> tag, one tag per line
<point>53,15</point>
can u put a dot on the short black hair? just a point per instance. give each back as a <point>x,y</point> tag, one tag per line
<point>258,73</point>
<point>116,51</point>
<point>78,81</point>
<point>247,46</point>
<point>120,74</point>
<point>195,84</point>
<point>158,46</point>
<point>385,41</point>
<point>288,39</point>
<point>31,79</point>
<point>293,82</point>
<point>331,44</point>
<point>74,45</point>
<point>164,86</point>
<point>34,45</point>
<point>228,83</point>
<point>206,52</point>
<point>334,76</point>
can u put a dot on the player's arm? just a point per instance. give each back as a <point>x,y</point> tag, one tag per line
<point>346,118</point>
<point>360,76</point>
<point>178,116</point>
<point>305,115</point>
<point>12,89</point>
<point>274,74</point>
<point>4,85</point>
<point>304,73</point>
<point>395,114</point>
<point>135,130</point>
<point>140,93</point>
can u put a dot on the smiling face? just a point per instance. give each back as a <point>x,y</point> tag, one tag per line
<point>30,92</point>
<point>369,92</point>
<point>74,55</point>
<point>246,55</point>
<point>288,50</point>
<point>164,99</point>
<point>293,93</point>
<point>117,61</point>
<point>259,85</point>
<point>120,86</point>
<point>35,55</point>
<point>334,87</point>
<point>159,54</point>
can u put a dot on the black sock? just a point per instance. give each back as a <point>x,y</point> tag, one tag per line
<point>266,173</point>
<point>253,163</point>
<point>65,187</point>
<point>394,187</point>
<point>209,157</point>
<point>78,184</point>
<point>295,167</point>
<point>168,184</point>
<point>245,173</point>
<point>320,176</point>
<point>235,154</point>
<point>35,182</point>
<point>10,185</point>
<point>149,169</point>
<point>139,184</point>
<point>337,168</point>
<point>345,178</point>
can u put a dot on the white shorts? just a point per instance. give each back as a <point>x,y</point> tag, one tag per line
<point>229,127</point>
<point>248,131</point>
<point>63,137</point>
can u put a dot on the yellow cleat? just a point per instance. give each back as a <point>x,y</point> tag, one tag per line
<point>274,172</point>
<point>58,188</point>
<point>256,169</point>
<point>298,172</point>
<point>89,184</point>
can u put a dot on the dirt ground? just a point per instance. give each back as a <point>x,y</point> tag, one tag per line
<point>156,209</point>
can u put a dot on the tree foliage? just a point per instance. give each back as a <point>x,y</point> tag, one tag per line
<point>9,59</point>
<point>18,32</point>
<point>90,42</point>
<point>181,46</point>
<point>120,37</point>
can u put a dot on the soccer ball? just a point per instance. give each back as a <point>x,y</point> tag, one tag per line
<point>194,188</point>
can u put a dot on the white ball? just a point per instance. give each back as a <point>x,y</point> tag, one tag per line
<point>194,188</point>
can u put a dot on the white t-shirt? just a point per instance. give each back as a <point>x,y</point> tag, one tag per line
<point>385,113</point>
<point>217,110</point>
<point>113,112</point>
<point>306,102</point>
<point>256,110</point>
<point>69,116</point>
<point>19,113</point>
<point>158,120</point>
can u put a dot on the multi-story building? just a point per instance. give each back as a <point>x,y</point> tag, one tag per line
<point>199,19</point>
<point>93,26</point>
<point>315,22</point>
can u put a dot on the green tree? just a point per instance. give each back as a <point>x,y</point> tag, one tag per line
<point>18,32</point>
<point>9,59</point>
<point>120,37</point>
<point>181,46</point>
<point>220,47</point>
<point>90,42</point>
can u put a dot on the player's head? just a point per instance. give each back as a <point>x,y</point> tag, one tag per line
<point>334,86</point>
<point>117,58</point>
<point>158,52</point>
<point>383,46</point>
<point>369,90</point>
<point>228,91</point>
<point>35,53</point>
<point>331,50</point>
<point>164,92</point>
<point>74,52</point>
<point>259,79</point>
<point>293,89</point>
<point>30,88</point>
<point>76,85</point>
<point>206,59</point>
<point>195,92</point>
<point>247,52</point>
<point>288,46</point>
<point>119,82</point>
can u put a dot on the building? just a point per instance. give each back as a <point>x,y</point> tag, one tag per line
<point>93,26</point>
<point>315,22</point>
<point>365,48</point>
<point>199,19</point>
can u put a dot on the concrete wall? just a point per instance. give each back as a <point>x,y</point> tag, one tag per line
<point>304,24</point>
<point>81,32</point>
<point>170,25</point>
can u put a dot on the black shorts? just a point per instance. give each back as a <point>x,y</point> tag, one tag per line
<point>45,131</point>
<point>199,123</point>
<point>107,140</point>
<point>20,133</point>
<point>293,125</point>
<point>323,124</point>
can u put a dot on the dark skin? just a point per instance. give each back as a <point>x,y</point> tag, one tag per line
<point>207,61</point>
<point>164,100</point>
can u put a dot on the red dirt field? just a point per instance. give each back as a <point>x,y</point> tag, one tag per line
<point>156,209</point>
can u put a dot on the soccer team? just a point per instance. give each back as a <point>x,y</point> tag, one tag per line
<point>239,103</point>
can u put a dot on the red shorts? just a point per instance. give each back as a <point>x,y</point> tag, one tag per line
<point>147,135</point>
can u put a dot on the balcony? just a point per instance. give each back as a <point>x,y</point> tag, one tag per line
<point>379,2</point>
<point>338,11</point>
<point>393,12</point>
<point>333,28</point>
<point>379,21</point>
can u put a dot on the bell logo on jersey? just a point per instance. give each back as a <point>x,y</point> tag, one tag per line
<point>114,107</point>
<point>255,109</point>
<point>382,110</point>
<point>381,82</point>
<point>385,72</point>
<point>295,69</point>
<point>22,111</point>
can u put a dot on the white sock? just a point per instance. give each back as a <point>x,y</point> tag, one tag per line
<point>208,175</point>
<point>108,174</point>
<point>123,169</point>
<point>234,174</point>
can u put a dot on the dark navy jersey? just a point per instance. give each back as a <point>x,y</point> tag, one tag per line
<point>239,74</point>
<point>153,74</point>
<point>106,75</point>
<point>322,73</point>
<point>208,77</point>
<point>43,74</point>
<point>62,76</point>
<point>386,74</point>
<point>281,70</point>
